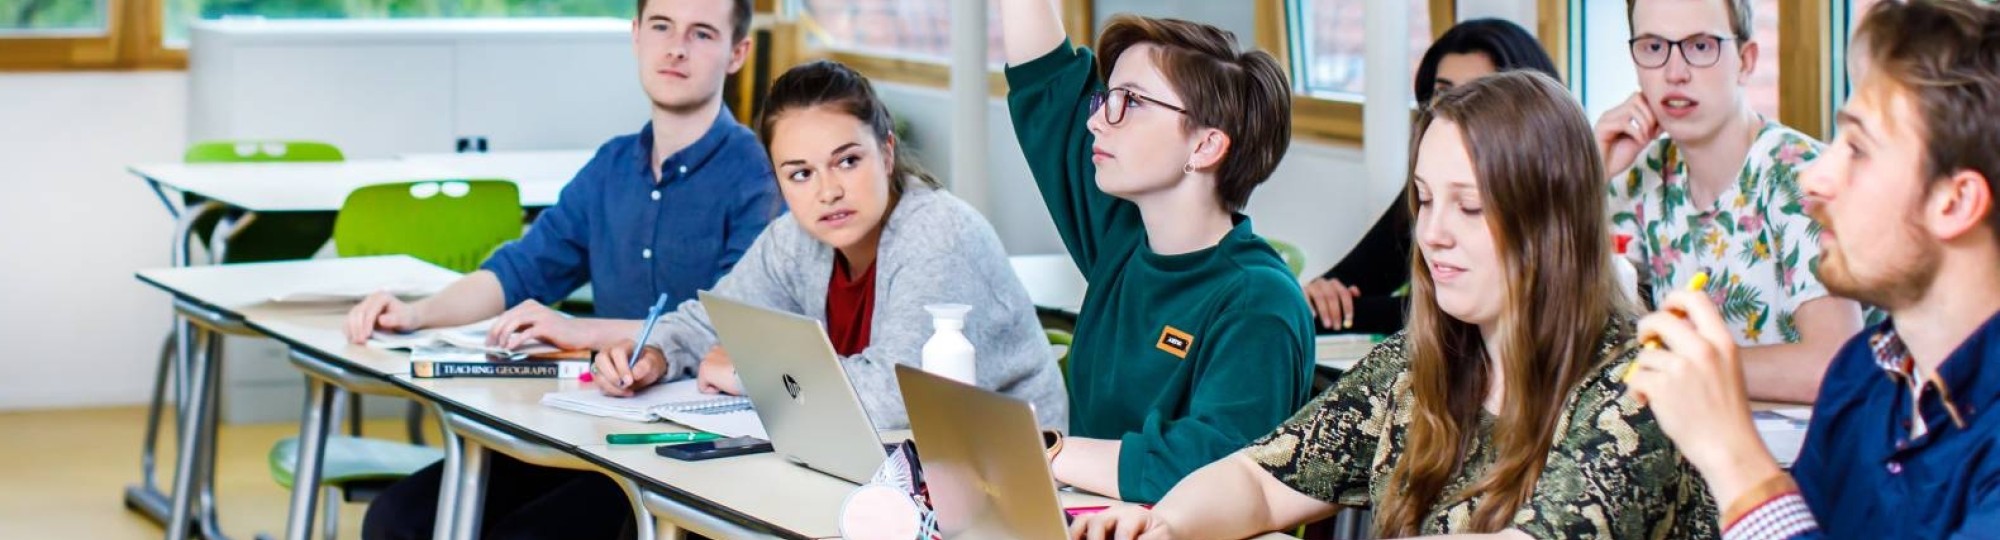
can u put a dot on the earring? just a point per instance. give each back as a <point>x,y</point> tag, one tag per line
<point>1188,168</point>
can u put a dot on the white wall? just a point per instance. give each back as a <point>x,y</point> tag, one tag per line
<point>79,329</point>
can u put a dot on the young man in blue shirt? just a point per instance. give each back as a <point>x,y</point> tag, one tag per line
<point>1904,441</point>
<point>666,210</point>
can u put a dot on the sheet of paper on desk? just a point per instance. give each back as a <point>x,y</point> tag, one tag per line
<point>740,423</point>
<point>1342,351</point>
<point>654,403</point>
<point>1783,433</point>
<point>638,408</point>
<point>355,292</point>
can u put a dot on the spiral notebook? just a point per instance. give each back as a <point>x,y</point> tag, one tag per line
<point>680,402</point>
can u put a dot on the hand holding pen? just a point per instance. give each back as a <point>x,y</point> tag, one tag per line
<point>631,365</point>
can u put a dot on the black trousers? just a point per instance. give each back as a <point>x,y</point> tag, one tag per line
<point>523,502</point>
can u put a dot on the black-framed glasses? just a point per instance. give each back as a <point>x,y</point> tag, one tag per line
<point>1122,100</point>
<point>1699,50</point>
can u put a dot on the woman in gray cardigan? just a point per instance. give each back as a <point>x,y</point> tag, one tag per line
<point>872,241</point>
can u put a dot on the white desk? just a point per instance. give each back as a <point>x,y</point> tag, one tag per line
<point>317,187</point>
<point>211,300</point>
<point>518,402</point>
<point>538,167</point>
<point>1053,281</point>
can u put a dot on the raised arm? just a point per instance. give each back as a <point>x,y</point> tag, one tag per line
<point>1029,29</point>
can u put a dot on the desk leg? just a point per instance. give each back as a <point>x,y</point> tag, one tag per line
<point>146,497</point>
<point>209,526</point>
<point>471,496</point>
<point>188,462</point>
<point>448,483</point>
<point>313,427</point>
<point>642,519</point>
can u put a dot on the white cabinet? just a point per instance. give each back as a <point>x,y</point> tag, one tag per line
<point>379,88</point>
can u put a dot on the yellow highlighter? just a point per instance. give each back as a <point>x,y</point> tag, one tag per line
<point>1699,282</point>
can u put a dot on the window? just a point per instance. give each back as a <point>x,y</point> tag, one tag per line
<point>906,41</point>
<point>180,12</point>
<point>52,18</point>
<point>1329,37</point>
<point>909,29</point>
<point>1763,89</point>
<point>111,34</point>
<point>1787,84</point>
<point>58,34</point>
<point>1324,45</point>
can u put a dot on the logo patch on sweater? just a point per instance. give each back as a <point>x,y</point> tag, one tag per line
<point>1175,342</point>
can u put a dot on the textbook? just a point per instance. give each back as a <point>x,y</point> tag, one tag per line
<point>448,362</point>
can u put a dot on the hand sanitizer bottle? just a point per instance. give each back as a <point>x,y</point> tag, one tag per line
<point>948,353</point>
<point>1628,276</point>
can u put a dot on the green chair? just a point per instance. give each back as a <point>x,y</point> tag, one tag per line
<point>1063,359</point>
<point>1294,257</point>
<point>272,236</point>
<point>455,224</point>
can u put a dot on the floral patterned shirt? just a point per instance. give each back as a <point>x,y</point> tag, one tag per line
<point>1757,244</point>
<point>1611,472</point>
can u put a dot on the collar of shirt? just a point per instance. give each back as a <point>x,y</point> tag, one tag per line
<point>1963,388</point>
<point>689,159</point>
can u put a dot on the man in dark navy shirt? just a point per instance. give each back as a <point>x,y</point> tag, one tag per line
<point>1905,439</point>
<point>666,210</point>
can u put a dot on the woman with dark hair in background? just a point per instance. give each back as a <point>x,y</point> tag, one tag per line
<point>1359,293</point>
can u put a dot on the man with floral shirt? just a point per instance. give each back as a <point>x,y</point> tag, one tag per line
<point>1719,193</point>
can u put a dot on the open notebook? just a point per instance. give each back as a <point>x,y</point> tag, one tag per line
<point>471,337</point>
<point>680,402</point>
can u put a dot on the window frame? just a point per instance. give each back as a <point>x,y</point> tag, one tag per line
<point>1805,44</point>
<point>1327,119</point>
<point>1076,15</point>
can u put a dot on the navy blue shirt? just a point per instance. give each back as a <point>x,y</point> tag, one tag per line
<point>1862,472</point>
<point>631,238</point>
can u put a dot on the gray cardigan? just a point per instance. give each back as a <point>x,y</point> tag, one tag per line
<point>935,249</point>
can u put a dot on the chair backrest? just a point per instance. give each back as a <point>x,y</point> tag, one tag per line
<point>1294,257</point>
<point>450,223</point>
<point>261,151</point>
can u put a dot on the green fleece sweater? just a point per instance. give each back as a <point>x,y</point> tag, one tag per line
<point>1184,358</point>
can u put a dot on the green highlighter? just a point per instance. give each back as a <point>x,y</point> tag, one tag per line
<point>656,438</point>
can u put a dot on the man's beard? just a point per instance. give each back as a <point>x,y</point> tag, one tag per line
<point>1897,281</point>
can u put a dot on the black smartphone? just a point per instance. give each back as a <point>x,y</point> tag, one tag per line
<point>719,448</point>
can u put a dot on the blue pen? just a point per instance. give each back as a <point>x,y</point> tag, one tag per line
<point>645,332</point>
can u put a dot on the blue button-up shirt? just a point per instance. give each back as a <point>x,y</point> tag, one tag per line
<point>632,238</point>
<point>1870,470</point>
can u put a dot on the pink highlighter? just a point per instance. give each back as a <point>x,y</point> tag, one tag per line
<point>1071,513</point>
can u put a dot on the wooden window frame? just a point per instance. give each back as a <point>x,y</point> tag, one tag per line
<point>1805,47</point>
<point>1324,119</point>
<point>1077,20</point>
<point>132,39</point>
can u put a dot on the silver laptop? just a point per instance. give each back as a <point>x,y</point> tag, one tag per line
<point>982,459</point>
<point>801,393</point>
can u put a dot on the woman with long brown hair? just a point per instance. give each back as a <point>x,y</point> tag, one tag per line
<point>1498,410</point>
